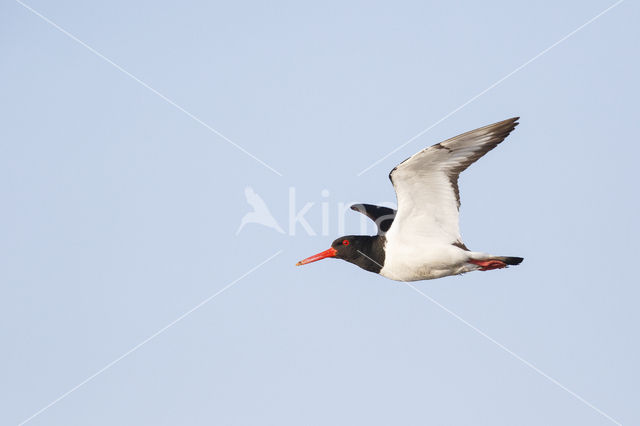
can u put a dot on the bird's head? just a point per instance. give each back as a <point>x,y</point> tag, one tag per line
<point>355,249</point>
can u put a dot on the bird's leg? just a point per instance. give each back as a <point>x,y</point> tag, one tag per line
<point>487,265</point>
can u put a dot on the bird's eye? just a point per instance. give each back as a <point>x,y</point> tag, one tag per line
<point>345,242</point>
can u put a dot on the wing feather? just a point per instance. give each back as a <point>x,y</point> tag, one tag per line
<point>426,184</point>
<point>382,216</point>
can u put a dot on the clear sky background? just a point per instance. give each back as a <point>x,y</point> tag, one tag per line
<point>119,213</point>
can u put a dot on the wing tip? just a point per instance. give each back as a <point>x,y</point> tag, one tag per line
<point>501,129</point>
<point>512,122</point>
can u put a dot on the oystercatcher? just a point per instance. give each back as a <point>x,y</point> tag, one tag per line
<point>421,240</point>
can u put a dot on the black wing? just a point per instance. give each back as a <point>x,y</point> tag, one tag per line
<point>382,216</point>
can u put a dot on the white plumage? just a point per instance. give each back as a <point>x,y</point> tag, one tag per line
<point>424,240</point>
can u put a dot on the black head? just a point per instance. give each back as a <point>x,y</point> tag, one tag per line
<point>365,251</point>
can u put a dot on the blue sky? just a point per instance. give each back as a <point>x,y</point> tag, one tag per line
<point>121,204</point>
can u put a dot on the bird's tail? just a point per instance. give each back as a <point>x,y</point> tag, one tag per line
<point>509,260</point>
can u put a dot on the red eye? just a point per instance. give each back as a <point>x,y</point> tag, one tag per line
<point>345,243</point>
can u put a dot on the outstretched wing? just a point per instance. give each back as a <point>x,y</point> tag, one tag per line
<point>382,216</point>
<point>426,184</point>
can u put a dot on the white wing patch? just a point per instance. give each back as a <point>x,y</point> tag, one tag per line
<point>426,186</point>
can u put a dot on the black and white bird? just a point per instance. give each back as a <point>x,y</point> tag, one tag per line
<point>421,240</point>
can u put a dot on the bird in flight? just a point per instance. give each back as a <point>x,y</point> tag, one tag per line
<point>421,240</point>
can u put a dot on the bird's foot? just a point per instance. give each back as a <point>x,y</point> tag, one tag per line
<point>487,265</point>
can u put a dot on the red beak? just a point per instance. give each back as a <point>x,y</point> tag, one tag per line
<point>327,253</point>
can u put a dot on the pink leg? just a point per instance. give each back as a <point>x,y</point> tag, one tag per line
<point>487,265</point>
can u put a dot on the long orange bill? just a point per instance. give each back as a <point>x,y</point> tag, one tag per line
<point>327,253</point>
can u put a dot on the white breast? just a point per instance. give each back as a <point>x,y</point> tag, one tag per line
<point>413,259</point>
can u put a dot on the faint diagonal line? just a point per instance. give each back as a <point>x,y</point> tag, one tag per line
<point>503,347</point>
<point>148,339</point>
<point>142,83</point>
<point>489,88</point>
<point>516,356</point>
<point>369,258</point>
